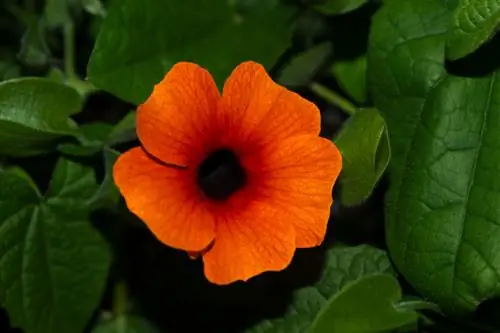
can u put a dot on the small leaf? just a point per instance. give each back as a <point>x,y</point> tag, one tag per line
<point>337,7</point>
<point>125,324</point>
<point>94,7</point>
<point>365,149</point>
<point>152,35</point>
<point>34,113</point>
<point>54,264</point>
<point>124,131</point>
<point>34,50</point>
<point>107,193</point>
<point>474,23</point>
<point>301,70</point>
<point>364,306</point>
<point>91,137</point>
<point>342,266</point>
<point>351,77</point>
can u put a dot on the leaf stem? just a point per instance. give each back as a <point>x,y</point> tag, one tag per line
<point>69,49</point>
<point>333,98</point>
<point>119,299</point>
<point>416,305</point>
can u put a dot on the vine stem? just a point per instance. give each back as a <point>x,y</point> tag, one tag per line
<point>69,49</point>
<point>333,98</point>
<point>119,298</point>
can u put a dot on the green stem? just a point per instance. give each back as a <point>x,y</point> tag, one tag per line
<point>333,98</point>
<point>69,49</point>
<point>417,305</point>
<point>29,6</point>
<point>119,299</point>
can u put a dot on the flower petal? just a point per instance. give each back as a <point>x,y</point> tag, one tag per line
<point>172,123</point>
<point>165,200</point>
<point>256,109</point>
<point>298,175</point>
<point>251,239</point>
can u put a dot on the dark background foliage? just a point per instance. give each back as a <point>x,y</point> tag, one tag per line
<point>323,50</point>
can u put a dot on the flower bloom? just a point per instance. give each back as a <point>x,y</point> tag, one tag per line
<point>241,179</point>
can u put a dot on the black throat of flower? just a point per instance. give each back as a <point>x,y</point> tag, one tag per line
<point>221,174</point>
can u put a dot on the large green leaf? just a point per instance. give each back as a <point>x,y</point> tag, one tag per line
<point>342,265</point>
<point>367,305</point>
<point>54,264</point>
<point>140,40</point>
<point>33,114</point>
<point>441,217</point>
<point>365,150</point>
<point>474,22</point>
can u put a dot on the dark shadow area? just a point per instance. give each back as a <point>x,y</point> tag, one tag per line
<point>483,61</point>
<point>39,167</point>
<point>171,288</point>
<point>349,33</point>
<point>487,312</point>
<point>4,323</point>
<point>361,224</point>
<point>102,106</point>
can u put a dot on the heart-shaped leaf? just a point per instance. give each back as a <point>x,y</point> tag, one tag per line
<point>367,305</point>
<point>54,264</point>
<point>441,216</point>
<point>342,265</point>
<point>150,36</point>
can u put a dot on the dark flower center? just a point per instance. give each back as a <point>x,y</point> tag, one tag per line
<point>221,174</point>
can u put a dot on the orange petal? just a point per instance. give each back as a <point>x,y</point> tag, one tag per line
<point>257,110</point>
<point>249,242</point>
<point>165,199</point>
<point>172,123</point>
<point>298,175</point>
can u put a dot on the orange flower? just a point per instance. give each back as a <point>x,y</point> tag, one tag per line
<point>242,179</point>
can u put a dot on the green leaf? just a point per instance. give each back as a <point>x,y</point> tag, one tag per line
<point>125,324</point>
<point>34,113</point>
<point>365,149</point>
<point>367,305</point>
<point>441,221</point>
<point>152,35</point>
<point>337,7</point>
<point>107,193</point>
<point>342,265</point>
<point>351,77</point>
<point>94,7</point>
<point>91,137</point>
<point>54,264</point>
<point>302,68</point>
<point>124,131</point>
<point>9,69</point>
<point>474,22</point>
